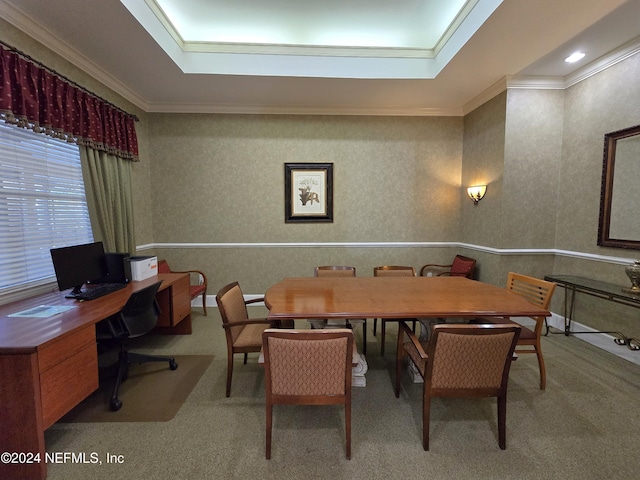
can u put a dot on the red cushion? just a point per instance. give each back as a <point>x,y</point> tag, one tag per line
<point>163,267</point>
<point>461,268</point>
<point>196,290</point>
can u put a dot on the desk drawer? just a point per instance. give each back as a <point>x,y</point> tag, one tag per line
<point>181,300</point>
<point>68,373</point>
<point>66,347</point>
<point>64,386</point>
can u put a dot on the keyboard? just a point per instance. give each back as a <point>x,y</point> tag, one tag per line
<point>99,290</point>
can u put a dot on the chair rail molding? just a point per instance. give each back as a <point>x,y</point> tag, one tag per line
<point>478,248</point>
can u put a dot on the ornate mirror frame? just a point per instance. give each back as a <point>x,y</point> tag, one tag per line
<point>607,195</point>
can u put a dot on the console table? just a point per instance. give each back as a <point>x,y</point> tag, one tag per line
<point>49,363</point>
<point>595,288</point>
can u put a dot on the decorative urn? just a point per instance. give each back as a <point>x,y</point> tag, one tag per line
<point>633,272</point>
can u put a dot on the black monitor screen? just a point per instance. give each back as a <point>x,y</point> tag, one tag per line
<point>78,265</point>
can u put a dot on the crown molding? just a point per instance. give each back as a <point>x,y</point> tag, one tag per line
<point>304,110</point>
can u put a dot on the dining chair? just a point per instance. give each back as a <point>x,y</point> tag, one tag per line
<point>390,271</point>
<point>308,367</point>
<point>460,267</point>
<point>197,279</point>
<point>243,334</point>
<point>344,271</point>
<point>538,292</point>
<point>460,360</point>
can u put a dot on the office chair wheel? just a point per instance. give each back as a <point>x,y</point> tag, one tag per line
<point>115,404</point>
<point>172,364</point>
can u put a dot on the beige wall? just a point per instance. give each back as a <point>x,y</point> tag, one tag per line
<point>220,179</point>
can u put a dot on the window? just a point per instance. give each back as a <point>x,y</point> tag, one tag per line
<point>42,205</point>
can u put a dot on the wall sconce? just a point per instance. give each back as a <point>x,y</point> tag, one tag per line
<point>476,193</point>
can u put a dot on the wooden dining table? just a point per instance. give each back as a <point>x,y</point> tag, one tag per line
<point>423,298</point>
<point>393,297</point>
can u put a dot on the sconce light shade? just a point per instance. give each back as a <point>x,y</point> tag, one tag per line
<point>476,193</point>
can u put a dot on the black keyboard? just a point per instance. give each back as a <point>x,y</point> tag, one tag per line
<point>100,290</point>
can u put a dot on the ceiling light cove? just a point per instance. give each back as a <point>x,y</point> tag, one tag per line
<point>412,39</point>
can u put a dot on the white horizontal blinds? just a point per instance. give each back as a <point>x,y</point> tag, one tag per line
<point>42,204</point>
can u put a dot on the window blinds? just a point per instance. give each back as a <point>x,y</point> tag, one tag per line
<point>42,205</point>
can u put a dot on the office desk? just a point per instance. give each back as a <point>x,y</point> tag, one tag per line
<point>49,365</point>
<point>393,297</point>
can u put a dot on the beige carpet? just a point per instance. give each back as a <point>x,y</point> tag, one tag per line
<point>152,393</point>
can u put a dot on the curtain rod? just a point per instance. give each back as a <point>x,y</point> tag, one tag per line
<point>66,79</point>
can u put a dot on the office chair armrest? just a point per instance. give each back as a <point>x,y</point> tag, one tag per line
<point>432,265</point>
<point>254,300</point>
<point>414,340</point>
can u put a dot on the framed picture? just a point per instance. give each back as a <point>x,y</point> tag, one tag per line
<point>308,192</point>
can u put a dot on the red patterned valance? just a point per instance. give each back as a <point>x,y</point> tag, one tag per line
<point>35,97</point>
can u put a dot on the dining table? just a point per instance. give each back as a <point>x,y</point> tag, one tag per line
<point>422,298</point>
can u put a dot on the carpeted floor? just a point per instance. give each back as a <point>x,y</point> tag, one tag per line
<point>151,393</point>
<point>584,426</point>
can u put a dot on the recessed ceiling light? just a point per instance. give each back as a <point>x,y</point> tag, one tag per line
<point>574,57</point>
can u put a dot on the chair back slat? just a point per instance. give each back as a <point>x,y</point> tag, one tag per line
<point>538,292</point>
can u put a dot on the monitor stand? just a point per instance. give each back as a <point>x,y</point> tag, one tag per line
<point>77,290</point>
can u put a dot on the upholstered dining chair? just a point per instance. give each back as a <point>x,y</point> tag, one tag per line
<point>308,367</point>
<point>244,334</point>
<point>344,271</point>
<point>390,271</point>
<point>460,360</point>
<point>538,292</point>
<point>460,267</point>
<point>197,278</point>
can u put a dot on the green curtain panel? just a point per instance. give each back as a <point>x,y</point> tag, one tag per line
<point>107,181</point>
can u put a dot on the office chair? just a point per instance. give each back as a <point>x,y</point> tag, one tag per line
<point>460,361</point>
<point>138,317</point>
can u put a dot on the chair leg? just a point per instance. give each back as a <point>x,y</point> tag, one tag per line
<point>375,326</point>
<point>204,302</point>
<point>383,335</point>
<point>229,373</point>
<point>269,427</point>
<point>246,355</point>
<point>426,414</point>
<point>502,421</point>
<point>347,421</point>
<point>364,337</point>
<point>543,372</point>
<point>399,358</point>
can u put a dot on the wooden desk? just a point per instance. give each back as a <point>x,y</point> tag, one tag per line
<point>393,297</point>
<point>49,365</point>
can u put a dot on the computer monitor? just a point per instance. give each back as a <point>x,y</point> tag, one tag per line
<point>77,265</point>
